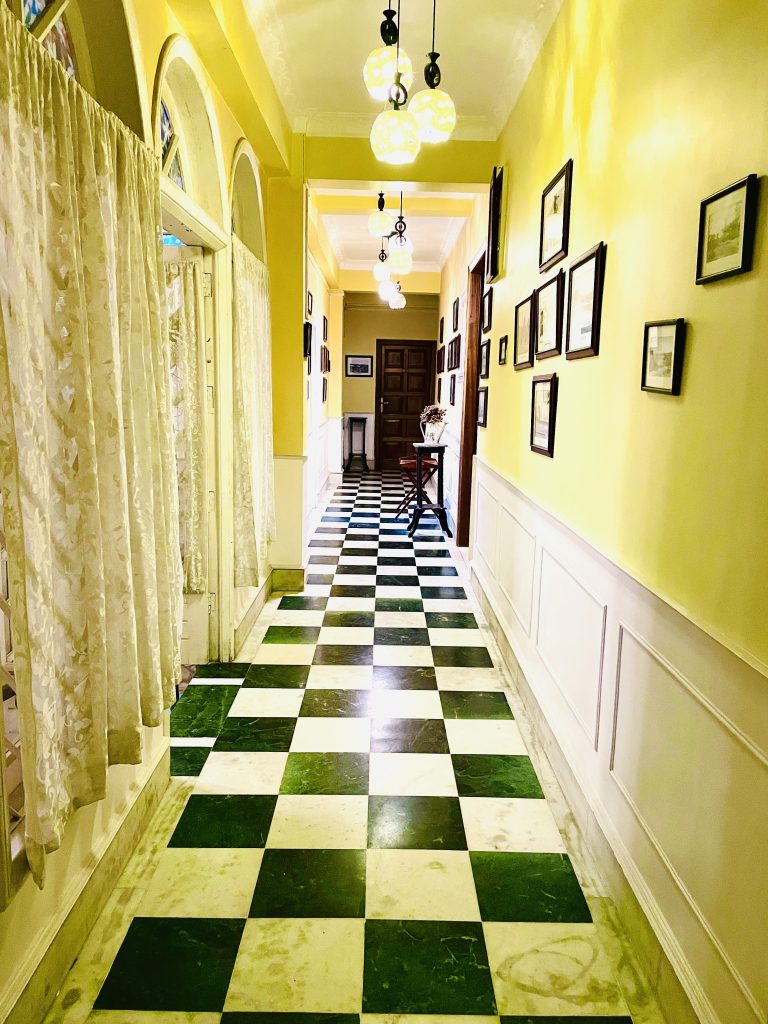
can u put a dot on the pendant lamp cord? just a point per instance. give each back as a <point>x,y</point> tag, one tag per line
<point>397,55</point>
<point>434,19</point>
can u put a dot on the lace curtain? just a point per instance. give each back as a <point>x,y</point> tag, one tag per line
<point>86,440</point>
<point>184,297</point>
<point>252,385</point>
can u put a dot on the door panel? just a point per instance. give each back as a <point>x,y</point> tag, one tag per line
<point>404,386</point>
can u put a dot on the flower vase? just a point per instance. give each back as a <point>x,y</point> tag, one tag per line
<point>432,432</point>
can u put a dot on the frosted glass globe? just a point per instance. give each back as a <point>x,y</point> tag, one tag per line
<point>381,270</point>
<point>402,244</point>
<point>435,114</point>
<point>397,301</point>
<point>400,262</point>
<point>387,290</point>
<point>395,137</point>
<point>381,67</point>
<point>379,224</point>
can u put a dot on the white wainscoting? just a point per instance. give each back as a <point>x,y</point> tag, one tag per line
<point>664,729</point>
<point>370,437</point>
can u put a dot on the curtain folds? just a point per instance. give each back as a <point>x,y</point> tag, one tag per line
<point>184,297</point>
<point>254,489</point>
<point>86,440</point>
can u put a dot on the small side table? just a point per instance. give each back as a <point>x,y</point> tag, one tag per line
<point>423,504</point>
<point>352,423</point>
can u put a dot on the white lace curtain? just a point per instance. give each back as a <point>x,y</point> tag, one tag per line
<point>184,296</point>
<point>252,372</point>
<point>86,440</point>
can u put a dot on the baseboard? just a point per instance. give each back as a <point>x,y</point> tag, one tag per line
<point>62,950</point>
<point>249,619</point>
<point>287,580</point>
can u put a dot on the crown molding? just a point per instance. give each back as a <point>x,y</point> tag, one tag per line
<point>349,125</point>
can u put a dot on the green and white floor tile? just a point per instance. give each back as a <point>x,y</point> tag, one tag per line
<point>363,836</point>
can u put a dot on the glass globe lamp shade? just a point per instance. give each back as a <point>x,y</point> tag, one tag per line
<point>387,290</point>
<point>400,262</point>
<point>435,114</point>
<point>381,67</point>
<point>402,244</point>
<point>379,224</point>
<point>381,271</point>
<point>397,301</point>
<point>395,137</point>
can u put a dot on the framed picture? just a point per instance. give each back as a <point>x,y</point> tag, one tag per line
<point>452,393</point>
<point>487,310</point>
<point>358,366</point>
<point>585,302</point>
<point>454,353</point>
<point>524,333</point>
<point>555,218</point>
<point>727,231</point>
<point>325,328</point>
<point>323,359</point>
<point>442,328</point>
<point>543,413</point>
<point>455,315</point>
<point>663,348</point>
<point>307,339</point>
<point>485,359</point>
<point>309,362</point>
<point>441,359</point>
<point>548,330</point>
<point>493,247</point>
<point>325,389</point>
<point>310,303</point>
<point>503,343</point>
<point>482,407</point>
<point>439,389</point>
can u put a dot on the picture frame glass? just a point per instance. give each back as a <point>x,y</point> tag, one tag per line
<point>660,357</point>
<point>503,343</point>
<point>547,319</point>
<point>359,366</point>
<point>482,407</point>
<point>582,305</point>
<point>723,241</point>
<point>485,359</point>
<point>553,220</point>
<point>523,332</point>
<point>542,410</point>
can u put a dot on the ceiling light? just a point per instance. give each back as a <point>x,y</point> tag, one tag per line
<point>395,133</point>
<point>402,244</point>
<point>395,137</point>
<point>380,222</point>
<point>397,300</point>
<point>433,108</point>
<point>400,262</point>
<point>387,289</point>
<point>381,271</point>
<point>381,67</point>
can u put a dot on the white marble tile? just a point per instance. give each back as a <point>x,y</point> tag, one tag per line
<point>510,825</point>
<point>152,1017</point>
<point>340,677</point>
<point>420,885</point>
<point>297,617</point>
<point>404,593</point>
<point>219,681</point>
<point>405,704</point>
<point>241,773</point>
<point>351,604</point>
<point>342,579</point>
<point>193,741</point>
<point>411,775</point>
<point>354,635</point>
<point>484,737</point>
<point>358,559</point>
<point>299,965</point>
<point>423,560</point>
<point>451,604</point>
<point>284,654</point>
<point>266,702</point>
<point>469,679</point>
<point>391,654</point>
<point>319,823</point>
<point>399,620</point>
<point>456,638</point>
<point>315,590</point>
<point>424,1018</point>
<point>202,883</point>
<point>334,735</point>
<point>397,570</point>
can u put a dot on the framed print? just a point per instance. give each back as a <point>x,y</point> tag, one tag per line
<point>358,366</point>
<point>439,389</point>
<point>325,328</point>
<point>663,348</point>
<point>454,353</point>
<point>310,303</point>
<point>548,329</point>
<point>555,218</point>
<point>325,389</point>
<point>455,314</point>
<point>524,334</point>
<point>442,328</point>
<point>441,359</point>
<point>452,393</point>
<point>309,362</point>
<point>503,343</point>
<point>482,407</point>
<point>727,231</point>
<point>543,413</point>
<point>493,246</point>
<point>485,359</point>
<point>307,339</point>
<point>487,310</point>
<point>585,303</point>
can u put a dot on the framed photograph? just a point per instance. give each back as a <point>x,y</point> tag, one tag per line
<point>487,310</point>
<point>309,362</point>
<point>482,407</point>
<point>524,334</point>
<point>663,348</point>
<point>310,303</point>
<point>493,247</point>
<point>543,413</point>
<point>442,328</point>
<point>325,389</point>
<point>727,231</point>
<point>555,218</point>
<point>503,344</point>
<point>452,393</point>
<point>585,302</point>
<point>485,359</point>
<point>455,315</point>
<point>548,330</point>
<point>439,389</point>
<point>307,339</point>
<point>325,328</point>
<point>358,366</point>
<point>454,353</point>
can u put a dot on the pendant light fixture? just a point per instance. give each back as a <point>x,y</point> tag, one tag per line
<point>379,222</point>
<point>397,299</point>
<point>385,61</point>
<point>395,133</point>
<point>381,271</point>
<point>433,108</point>
<point>400,259</point>
<point>387,290</point>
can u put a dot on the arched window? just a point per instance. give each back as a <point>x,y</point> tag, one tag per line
<point>170,144</point>
<point>59,27</point>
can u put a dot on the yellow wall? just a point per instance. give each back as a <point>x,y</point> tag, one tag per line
<point>659,106</point>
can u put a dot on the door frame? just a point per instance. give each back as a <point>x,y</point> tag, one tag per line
<point>431,343</point>
<point>468,445</point>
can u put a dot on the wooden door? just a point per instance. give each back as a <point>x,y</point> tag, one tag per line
<point>404,385</point>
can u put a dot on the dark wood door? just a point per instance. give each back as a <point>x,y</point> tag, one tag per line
<point>404,385</point>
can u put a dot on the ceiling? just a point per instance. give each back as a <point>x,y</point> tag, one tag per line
<point>433,239</point>
<point>315,52</point>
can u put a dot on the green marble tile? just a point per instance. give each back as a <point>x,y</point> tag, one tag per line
<point>438,570</point>
<point>292,635</point>
<point>461,657</point>
<point>335,704</point>
<point>326,774</point>
<point>343,654</point>
<point>181,964</point>
<point>474,704</point>
<point>292,677</point>
<point>345,590</point>
<point>224,821</point>
<point>365,619</point>
<point>354,552</point>
<point>358,570</point>
<point>562,1020</point>
<point>415,823</point>
<point>444,593</point>
<point>426,967</point>
<point>254,734</point>
<point>290,1018</point>
<point>316,579</point>
<point>188,760</point>
<point>395,560</point>
<point>404,677</point>
<point>528,887</point>
<point>401,636</point>
<point>396,581</point>
<point>496,775</point>
<point>451,620</point>
<point>310,883</point>
<point>324,559</point>
<point>399,604</point>
<point>202,710</point>
<point>408,736</point>
<point>297,603</point>
<point>223,669</point>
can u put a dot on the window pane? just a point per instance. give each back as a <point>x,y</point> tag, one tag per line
<point>58,43</point>
<point>166,129</point>
<point>175,172</point>
<point>32,11</point>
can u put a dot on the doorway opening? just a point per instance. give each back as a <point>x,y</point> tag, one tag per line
<point>405,383</point>
<point>468,445</point>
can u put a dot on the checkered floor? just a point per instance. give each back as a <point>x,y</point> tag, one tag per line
<point>366,833</point>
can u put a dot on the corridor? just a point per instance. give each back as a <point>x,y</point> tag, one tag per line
<point>359,827</point>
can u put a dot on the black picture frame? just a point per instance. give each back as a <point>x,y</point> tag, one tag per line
<point>746,231</point>
<point>358,361</point>
<point>503,345</point>
<point>482,407</point>
<point>442,329</point>
<point>523,345</point>
<point>454,353</point>
<point>549,381</point>
<point>493,244</point>
<point>307,339</point>
<point>649,381</point>
<point>561,183</point>
<point>439,389</point>
<point>309,363</point>
<point>310,303</point>
<point>325,328</point>
<point>596,256</point>
<point>455,315</point>
<point>543,302</point>
<point>487,310</point>
<point>441,359</point>
<point>452,392</point>
<point>325,389</point>
<point>485,359</point>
